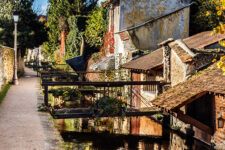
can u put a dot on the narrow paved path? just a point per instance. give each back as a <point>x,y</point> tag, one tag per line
<point>21,125</point>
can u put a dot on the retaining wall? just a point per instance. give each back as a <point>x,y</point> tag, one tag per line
<point>6,65</point>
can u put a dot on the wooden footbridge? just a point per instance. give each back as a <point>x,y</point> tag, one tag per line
<point>118,89</point>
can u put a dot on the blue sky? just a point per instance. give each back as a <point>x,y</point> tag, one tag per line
<point>40,6</point>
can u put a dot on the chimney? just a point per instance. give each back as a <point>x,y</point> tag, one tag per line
<point>166,59</point>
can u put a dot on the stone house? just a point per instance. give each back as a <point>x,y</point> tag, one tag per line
<point>197,105</point>
<point>173,63</point>
<point>141,25</point>
<point>196,95</point>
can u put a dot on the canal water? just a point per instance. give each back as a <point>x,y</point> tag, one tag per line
<point>130,133</point>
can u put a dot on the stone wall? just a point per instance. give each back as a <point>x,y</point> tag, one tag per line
<point>6,65</point>
<point>178,69</point>
<point>199,62</point>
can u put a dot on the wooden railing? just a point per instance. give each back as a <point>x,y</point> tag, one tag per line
<point>110,89</point>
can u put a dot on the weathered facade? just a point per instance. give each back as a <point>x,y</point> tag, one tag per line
<point>197,104</point>
<point>144,24</point>
<point>173,63</point>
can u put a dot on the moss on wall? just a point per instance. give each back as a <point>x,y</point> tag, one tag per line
<point>8,59</point>
<point>6,65</point>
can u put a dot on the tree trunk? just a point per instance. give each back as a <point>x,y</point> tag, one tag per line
<point>62,46</point>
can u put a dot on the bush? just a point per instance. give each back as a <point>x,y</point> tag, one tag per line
<point>67,93</point>
<point>107,106</point>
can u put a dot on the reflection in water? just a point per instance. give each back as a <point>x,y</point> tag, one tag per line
<point>130,133</point>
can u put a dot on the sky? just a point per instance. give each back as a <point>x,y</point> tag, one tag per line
<point>40,6</point>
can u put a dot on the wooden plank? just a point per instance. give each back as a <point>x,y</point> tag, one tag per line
<point>86,115</point>
<point>103,84</point>
<point>196,123</point>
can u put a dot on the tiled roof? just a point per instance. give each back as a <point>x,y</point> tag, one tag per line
<point>208,80</point>
<point>203,39</point>
<point>182,54</point>
<point>146,62</point>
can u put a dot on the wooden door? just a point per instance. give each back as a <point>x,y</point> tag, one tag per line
<point>135,125</point>
<point>136,89</point>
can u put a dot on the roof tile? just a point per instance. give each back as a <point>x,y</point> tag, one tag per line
<point>146,62</point>
<point>211,80</point>
<point>203,39</point>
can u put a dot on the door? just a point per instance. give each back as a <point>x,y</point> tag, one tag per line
<point>136,89</point>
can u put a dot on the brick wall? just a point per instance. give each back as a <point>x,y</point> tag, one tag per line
<point>219,135</point>
<point>6,65</point>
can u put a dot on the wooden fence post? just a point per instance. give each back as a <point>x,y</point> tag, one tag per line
<point>46,95</point>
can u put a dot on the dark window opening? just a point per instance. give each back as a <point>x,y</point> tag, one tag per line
<point>202,110</point>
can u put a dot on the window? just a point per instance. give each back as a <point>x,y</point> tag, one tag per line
<point>149,88</point>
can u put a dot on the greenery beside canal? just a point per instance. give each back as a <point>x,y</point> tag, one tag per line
<point>4,91</point>
<point>108,106</point>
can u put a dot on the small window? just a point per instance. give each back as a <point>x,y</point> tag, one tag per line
<point>149,88</point>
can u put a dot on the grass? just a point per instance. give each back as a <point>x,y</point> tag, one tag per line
<point>4,91</point>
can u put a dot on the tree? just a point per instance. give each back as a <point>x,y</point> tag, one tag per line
<point>97,25</point>
<point>31,32</point>
<point>74,39</point>
<point>62,10</point>
<point>198,17</point>
<point>6,22</point>
<point>220,29</point>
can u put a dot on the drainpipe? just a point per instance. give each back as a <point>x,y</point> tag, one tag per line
<point>166,59</point>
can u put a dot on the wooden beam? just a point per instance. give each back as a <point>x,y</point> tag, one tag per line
<point>87,115</point>
<point>46,95</point>
<point>196,123</point>
<point>103,84</point>
<point>190,100</point>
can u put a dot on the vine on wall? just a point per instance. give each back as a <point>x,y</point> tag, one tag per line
<point>108,42</point>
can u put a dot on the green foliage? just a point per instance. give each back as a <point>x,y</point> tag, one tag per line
<point>176,128</point>
<point>61,14</point>
<point>108,106</point>
<point>200,21</point>
<point>6,23</point>
<point>4,91</point>
<point>43,108</point>
<point>31,32</point>
<point>67,93</point>
<point>88,87</point>
<point>74,39</point>
<point>96,26</point>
